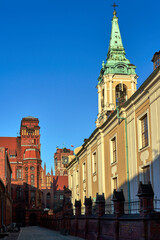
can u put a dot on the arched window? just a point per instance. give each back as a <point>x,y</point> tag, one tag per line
<point>32,180</point>
<point>102,99</point>
<point>121,94</point>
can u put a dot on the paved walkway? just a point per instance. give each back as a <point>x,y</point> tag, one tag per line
<point>12,236</point>
<point>39,233</point>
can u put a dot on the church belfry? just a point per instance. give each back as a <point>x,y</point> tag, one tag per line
<point>117,80</point>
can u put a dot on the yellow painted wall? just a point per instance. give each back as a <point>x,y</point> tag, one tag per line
<point>139,111</point>
<point>118,168</point>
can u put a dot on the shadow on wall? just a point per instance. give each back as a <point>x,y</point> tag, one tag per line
<point>114,221</point>
<point>148,173</point>
<point>27,201</point>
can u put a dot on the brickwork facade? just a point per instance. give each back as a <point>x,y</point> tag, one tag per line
<point>102,225</point>
<point>61,161</point>
<point>31,187</point>
<point>25,161</point>
<point>53,189</point>
<point>5,188</point>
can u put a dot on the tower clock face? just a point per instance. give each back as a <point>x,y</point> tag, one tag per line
<point>64,160</point>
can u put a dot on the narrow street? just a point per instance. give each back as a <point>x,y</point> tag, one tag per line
<point>39,233</point>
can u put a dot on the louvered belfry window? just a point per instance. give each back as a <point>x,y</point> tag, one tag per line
<point>144,131</point>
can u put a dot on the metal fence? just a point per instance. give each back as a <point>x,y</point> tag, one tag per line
<point>132,207</point>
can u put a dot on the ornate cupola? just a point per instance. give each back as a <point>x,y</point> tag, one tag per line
<point>117,80</point>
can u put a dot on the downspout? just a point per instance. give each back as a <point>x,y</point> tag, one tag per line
<point>128,183</point>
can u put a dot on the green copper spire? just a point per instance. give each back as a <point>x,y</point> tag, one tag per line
<point>116,61</point>
<point>116,50</point>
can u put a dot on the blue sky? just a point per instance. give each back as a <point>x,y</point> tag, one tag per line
<point>51,54</point>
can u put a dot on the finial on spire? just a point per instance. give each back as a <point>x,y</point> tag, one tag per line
<point>114,5</point>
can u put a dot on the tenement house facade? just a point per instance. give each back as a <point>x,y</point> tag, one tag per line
<point>124,149</point>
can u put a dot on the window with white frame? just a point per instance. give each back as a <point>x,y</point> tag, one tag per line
<point>84,171</point>
<point>113,149</point>
<point>94,163</point>
<point>143,132</point>
<point>77,177</point>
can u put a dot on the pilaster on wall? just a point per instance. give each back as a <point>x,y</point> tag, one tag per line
<point>99,100</point>
<point>74,184</point>
<point>89,160</point>
<point>110,91</point>
<point>133,83</point>
<point>105,95</point>
<point>132,153</point>
<point>101,166</point>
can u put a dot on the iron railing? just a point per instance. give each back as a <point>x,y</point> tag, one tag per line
<point>132,207</point>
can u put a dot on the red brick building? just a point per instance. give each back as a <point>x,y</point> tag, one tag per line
<point>25,161</point>
<point>52,188</point>
<point>5,188</point>
<point>61,161</point>
<point>32,188</point>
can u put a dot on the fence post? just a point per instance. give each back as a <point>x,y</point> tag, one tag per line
<point>88,206</point>
<point>100,205</point>
<point>77,208</point>
<point>77,205</point>
<point>118,200</point>
<point>66,215</point>
<point>145,194</point>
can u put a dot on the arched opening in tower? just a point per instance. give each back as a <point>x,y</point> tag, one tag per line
<point>121,94</point>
